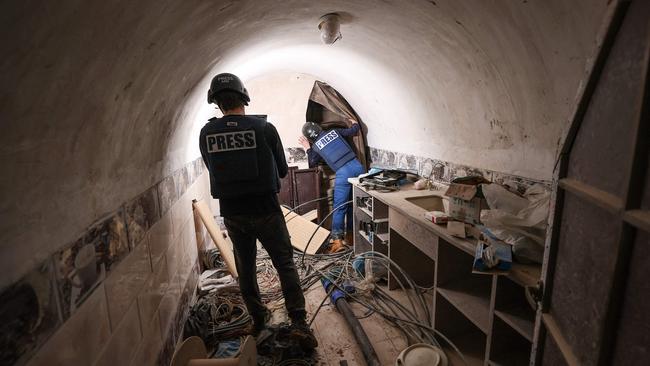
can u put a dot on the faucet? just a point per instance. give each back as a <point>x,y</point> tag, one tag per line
<point>430,185</point>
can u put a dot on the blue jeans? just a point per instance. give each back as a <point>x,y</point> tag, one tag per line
<point>343,193</point>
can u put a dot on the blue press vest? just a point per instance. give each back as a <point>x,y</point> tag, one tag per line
<point>333,148</point>
<point>239,159</point>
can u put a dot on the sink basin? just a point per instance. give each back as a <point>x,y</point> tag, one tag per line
<point>428,203</point>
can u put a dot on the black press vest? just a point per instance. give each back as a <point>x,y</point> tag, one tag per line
<point>239,159</point>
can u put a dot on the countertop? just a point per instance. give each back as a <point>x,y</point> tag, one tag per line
<point>524,274</point>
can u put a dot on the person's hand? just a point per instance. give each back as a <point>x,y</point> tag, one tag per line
<point>304,142</point>
<point>353,121</point>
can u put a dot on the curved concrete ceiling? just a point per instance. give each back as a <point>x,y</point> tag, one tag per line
<point>99,100</point>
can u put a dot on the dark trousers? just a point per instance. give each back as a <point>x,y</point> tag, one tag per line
<point>271,230</point>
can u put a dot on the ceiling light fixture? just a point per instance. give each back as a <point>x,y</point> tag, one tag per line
<point>330,28</point>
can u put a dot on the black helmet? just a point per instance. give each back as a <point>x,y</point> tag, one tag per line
<point>311,130</point>
<point>226,81</point>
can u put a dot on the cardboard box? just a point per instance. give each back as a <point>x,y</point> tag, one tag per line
<point>466,199</point>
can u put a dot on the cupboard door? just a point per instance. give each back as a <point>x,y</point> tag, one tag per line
<point>307,188</point>
<point>286,188</point>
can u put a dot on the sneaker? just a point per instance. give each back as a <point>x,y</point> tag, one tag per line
<point>301,333</point>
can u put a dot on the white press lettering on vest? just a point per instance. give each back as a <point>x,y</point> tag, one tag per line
<point>231,141</point>
<point>323,141</point>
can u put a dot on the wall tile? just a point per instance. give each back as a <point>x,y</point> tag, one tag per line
<point>81,338</point>
<point>199,167</point>
<point>180,180</point>
<point>181,214</point>
<point>124,340</point>
<point>150,347</point>
<point>456,170</point>
<point>160,238</point>
<point>151,295</point>
<point>167,194</point>
<point>169,304</point>
<point>128,279</point>
<point>191,176</point>
<point>174,257</point>
<point>84,264</point>
<point>110,239</point>
<point>189,240</point>
<point>141,214</point>
<point>29,315</point>
<point>443,171</point>
<point>97,272</point>
<point>515,183</point>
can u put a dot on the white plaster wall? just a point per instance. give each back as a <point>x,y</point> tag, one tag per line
<point>100,100</point>
<point>283,96</point>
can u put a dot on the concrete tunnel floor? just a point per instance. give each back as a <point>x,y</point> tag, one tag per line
<point>102,100</point>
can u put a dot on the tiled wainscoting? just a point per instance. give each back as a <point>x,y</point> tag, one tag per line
<point>444,171</point>
<point>119,294</point>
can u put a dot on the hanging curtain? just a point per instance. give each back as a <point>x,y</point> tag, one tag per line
<point>329,109</point>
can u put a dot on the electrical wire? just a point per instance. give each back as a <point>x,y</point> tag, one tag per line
<point>320,224</point>
<point>413,320</point>
<point>384,305</point>
<point>305,203</point>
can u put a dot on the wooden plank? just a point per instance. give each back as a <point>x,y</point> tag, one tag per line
<point>525,274</point>
<point>301,230</point>
<point>638,218</point>
<point>517,318</point>
<point>223,242</point>
<point>311,215</point>
<point>600,198</point>
<point>555,332</point>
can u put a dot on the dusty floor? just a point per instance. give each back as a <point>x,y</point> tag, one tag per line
<point>337,343</point>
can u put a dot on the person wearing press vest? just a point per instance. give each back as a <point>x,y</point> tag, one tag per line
<point>331,147</point>
<point>245,158</point>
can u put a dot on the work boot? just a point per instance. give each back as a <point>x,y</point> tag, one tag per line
<point>336,245</point>
<point>349,238</point>
<point>300,332</point>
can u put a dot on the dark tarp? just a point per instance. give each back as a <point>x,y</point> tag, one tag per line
<point>329,109</point>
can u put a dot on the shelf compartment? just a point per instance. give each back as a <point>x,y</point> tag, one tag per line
<point>376,244</point>
<point>518,319</point>
<point>361,244</point>
<point>470,340</point>
<point>513,309</point>
<point>366,211</point>
<point>472,298</point>
<point>508,348</point>
<point>384,237</point>
<point>419,266</point>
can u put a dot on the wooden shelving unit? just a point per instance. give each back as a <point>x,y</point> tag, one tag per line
<point>486,316</point>
<point>463,333</point>
<point>518,318</point>
<point>471,300</point>
<point>368,209</point>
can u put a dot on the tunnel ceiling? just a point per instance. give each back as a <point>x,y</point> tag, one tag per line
<point>100,99</point>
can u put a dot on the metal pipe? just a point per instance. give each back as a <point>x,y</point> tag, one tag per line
<point>338,298</point>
